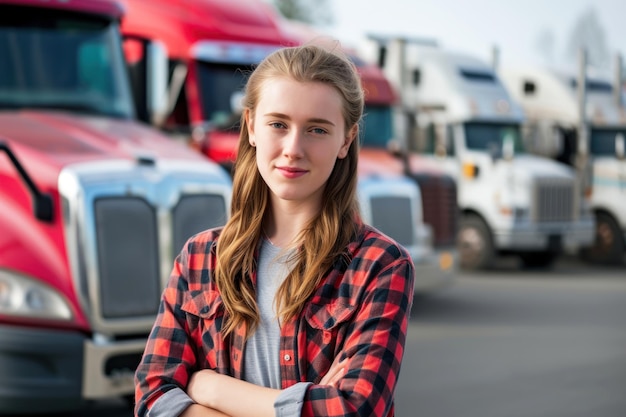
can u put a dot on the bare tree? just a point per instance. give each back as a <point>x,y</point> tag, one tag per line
<point>315,12</point>
<point>589,33</point>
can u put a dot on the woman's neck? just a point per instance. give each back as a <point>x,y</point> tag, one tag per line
<point>282,227</point>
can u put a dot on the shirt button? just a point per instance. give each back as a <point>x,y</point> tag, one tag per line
<point>287,357</point>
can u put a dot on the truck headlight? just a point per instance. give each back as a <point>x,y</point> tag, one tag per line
<point>26,297</point>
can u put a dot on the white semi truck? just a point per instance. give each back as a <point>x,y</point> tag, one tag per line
<point>456,111</point>
<point>584,125</point>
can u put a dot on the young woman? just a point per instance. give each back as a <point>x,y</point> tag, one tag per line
<point>295,307</point>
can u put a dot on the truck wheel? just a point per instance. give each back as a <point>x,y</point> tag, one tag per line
<point>538,259</point>
<point>475,244</point>
<point>608,247</point>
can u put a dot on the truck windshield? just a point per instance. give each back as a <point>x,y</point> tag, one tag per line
<point>59,60</point>
<point>602,141</point>
<point>482,136</point>
<point>376,130</point>
<point>221,90</point>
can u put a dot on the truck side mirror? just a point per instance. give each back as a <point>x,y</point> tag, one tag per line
<point>619,146</point>
<point>148,67</point>
<point>236,102</point>
<point>508,147</point>
<point>157,81</point>
<point>416,77</point>
<point>558,138</point>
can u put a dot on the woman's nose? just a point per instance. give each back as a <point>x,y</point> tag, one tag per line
<point>293,145</point>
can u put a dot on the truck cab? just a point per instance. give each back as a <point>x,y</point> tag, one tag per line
<point>462,118</point>
<point>95,207</point>
<point>556,129</point>
<point>212,46</point>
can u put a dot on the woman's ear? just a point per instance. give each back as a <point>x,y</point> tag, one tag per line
<point>250,127</point>
<point>352,134</point>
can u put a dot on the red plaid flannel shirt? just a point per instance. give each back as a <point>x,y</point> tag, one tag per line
<point>360,310</point>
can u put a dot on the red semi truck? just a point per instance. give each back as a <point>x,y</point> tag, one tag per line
<point>94,207</point>
<point>212,45</point>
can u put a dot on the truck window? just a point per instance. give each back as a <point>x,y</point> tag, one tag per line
<point>428,139</point>
<point>602,141</point>
<point>435,139</point>
<point>58,60</point>
<point>377,127</point>
<point>221,86</point>
<point>477,75</point>
<point>93,68</point>
<point>596,86</point>
<point>489,136</point>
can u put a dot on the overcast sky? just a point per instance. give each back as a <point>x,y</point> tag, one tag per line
<point>475,26</point>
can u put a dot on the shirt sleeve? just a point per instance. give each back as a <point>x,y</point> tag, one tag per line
<point>168,358</point>
<point>290,400</point>
<point>170,404</point>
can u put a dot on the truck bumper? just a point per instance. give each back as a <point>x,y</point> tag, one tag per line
<point>435,269</point>
<point>546,237</point>
<point>57,371</point>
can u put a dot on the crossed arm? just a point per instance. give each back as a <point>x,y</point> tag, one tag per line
<point>222,395</point>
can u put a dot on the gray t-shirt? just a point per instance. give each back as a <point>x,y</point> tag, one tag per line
<point>261,359</point>
<point>262,351</point>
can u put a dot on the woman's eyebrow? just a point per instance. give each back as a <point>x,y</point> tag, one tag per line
<point>311,120</point>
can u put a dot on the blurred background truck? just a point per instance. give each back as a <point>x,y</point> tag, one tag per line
<point>577,117</point>
<point>458,113</point>
<point>94,207</point>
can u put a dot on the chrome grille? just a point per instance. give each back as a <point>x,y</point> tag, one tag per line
<point>195,213</point>
<point>391,215</point>
<point>554,200</point>
<point>440,206</point>
<point>125,224</point>
<point>393,206</point>
<point>128,257</point>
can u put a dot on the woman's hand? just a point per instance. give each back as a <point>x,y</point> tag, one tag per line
<point>336,372</point>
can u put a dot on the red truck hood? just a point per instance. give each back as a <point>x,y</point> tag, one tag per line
<point>377,160</point>
<point>56,139</point>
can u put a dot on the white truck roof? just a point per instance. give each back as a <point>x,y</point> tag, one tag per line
<point>551,94</point>
<point>465,86</point>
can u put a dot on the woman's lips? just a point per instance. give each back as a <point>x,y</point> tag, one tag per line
<point>292,172</point>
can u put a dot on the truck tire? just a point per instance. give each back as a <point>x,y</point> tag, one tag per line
<point>538,259</point>
<point>608,247</point>
<point>475,244</point>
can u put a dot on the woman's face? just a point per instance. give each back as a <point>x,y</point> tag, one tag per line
<point>299,132</point>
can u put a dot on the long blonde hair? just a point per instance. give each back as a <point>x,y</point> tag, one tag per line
<point>326,236</point>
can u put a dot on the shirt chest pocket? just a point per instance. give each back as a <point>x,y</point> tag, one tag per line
<point>205,315</point>
<point>328,325</point>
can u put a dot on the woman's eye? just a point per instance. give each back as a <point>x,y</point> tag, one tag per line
<point>319,131</point>
<point>277,125</point>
